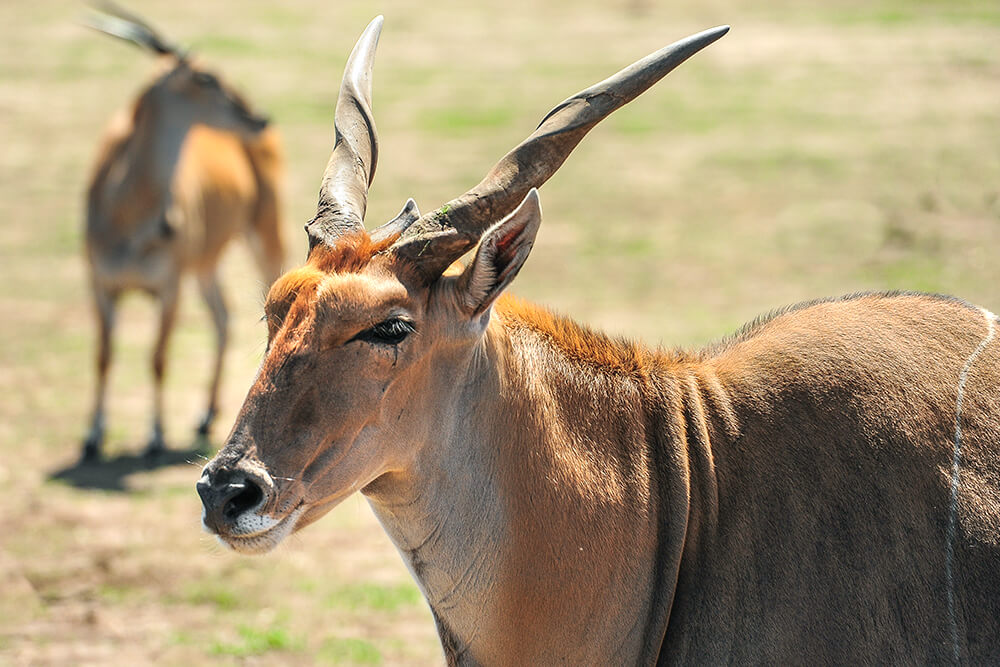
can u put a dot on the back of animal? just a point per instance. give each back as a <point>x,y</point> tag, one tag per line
<point>226,186</point>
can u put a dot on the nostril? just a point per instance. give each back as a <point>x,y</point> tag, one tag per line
<point>227,495</point>
<point>246,496</point>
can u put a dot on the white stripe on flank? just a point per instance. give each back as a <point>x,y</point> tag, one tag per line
<point>956,463</point>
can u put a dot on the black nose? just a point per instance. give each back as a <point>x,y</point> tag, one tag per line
<point>226,495</point>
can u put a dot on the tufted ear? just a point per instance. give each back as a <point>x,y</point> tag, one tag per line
<point>501,253</point>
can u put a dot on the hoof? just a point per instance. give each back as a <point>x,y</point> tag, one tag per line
<point>91,452</point>
<point>205,425</point>
<point>156,445</point>
<point>153,452</point>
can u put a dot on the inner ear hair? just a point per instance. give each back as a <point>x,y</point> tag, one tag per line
<point>500,255</point>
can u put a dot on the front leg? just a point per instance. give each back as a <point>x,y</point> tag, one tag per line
<point>105,302</point>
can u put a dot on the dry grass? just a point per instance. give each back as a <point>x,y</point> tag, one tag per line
<point>820,148</point>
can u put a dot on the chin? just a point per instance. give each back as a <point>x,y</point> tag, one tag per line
<point>264,536</point>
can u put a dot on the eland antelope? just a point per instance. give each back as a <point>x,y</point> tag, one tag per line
<point>180,172</point>
<point>821,487</point>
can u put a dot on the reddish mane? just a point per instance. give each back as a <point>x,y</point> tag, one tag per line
<point>582,344</point>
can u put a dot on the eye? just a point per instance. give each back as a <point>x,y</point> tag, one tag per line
<point>390,332</point>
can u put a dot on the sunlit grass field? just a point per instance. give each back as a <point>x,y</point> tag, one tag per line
<point>820,148</point>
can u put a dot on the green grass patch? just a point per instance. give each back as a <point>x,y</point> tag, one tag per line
<point>905,14</point>
<point>118,594</point>
<point>307,109</point>
<point>693,114</point>
<point>912,272</point>
<point>254,641</point>
<point>87,56</point>
<point>349,651</point>
<point>450,120</point>
<point>217,595</point>
<point>374,597</point>
<point>675,117</point>
<point>227,45</point>
<point>287,18</point>
<point>182,638</point>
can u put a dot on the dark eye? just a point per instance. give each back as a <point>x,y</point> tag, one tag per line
<point>389,332</point>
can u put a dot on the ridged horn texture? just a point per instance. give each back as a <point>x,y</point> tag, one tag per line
<point>111,19</point>
<point>444,235</point>
<point>343,195</point>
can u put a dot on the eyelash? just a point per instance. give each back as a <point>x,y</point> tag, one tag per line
<point>390,332</point>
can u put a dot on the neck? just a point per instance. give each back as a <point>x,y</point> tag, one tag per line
<point>556,530</point>
<point>447,519</point>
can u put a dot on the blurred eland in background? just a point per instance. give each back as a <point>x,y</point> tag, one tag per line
<point>181,171</point>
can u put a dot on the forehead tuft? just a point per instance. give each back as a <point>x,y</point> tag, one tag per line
<point>351,255</point>
<point>286,289</point>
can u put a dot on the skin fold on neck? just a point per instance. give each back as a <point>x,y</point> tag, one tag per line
<point>543,487</point>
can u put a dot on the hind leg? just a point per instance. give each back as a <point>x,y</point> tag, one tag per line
<point>168,315</point>
<point>105,302</point>
<point>211,292</point>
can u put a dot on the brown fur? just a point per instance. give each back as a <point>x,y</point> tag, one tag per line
<point>816,486</point>
<point>581,344</point>
<point>351,254</point>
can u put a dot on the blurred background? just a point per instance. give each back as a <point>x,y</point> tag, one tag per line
<point>819,149</point>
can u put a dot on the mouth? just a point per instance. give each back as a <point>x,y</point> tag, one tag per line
<point>255,123</point>
<point>255,534</point>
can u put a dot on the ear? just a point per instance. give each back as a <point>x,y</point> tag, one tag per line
<point>501,253</point>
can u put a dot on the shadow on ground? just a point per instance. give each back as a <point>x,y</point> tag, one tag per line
<point>112,474</point>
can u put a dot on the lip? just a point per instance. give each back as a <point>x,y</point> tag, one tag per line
<point>263,540</point>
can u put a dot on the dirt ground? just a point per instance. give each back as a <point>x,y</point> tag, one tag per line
<point>818,149</point>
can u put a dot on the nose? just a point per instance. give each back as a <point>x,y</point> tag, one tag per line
<point>226,495</point>
<point>255,122</point>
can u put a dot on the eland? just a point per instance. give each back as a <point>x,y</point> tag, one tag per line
<point>179,173</point>
<point>821,487</point>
